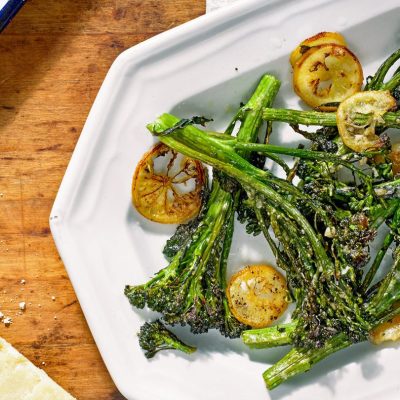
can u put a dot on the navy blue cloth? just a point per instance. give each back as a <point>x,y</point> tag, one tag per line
<point>8,11</point>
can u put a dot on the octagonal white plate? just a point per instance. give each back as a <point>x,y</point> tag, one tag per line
<point>205,67</point>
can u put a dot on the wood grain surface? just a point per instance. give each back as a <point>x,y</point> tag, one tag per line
<point>53,59</point>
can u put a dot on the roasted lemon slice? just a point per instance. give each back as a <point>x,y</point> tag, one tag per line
<point>316,40</point>
<point>388,331</point>
<point>371,106</point>
<point>327,74</point>
<point>257,295</point>
<point>167,186</point>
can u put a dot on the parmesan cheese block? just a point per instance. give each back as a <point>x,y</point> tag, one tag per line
<point>21,380</point>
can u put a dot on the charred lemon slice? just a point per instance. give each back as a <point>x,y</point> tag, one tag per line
<point>257,295</point>
<point>388,331</point>
<point>371,105</point>
<point>167,186</point>
<point>327,74</point>
<point>316,40</point>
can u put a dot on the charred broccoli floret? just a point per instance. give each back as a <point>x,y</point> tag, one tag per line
<point>154,337</point>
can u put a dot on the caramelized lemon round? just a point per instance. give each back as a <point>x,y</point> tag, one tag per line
<point>327,74</point>
<point>257,295</point>
<point>167,186</point>
<point>370,105</point>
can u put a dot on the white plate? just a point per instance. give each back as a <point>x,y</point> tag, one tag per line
<point>104,244</point>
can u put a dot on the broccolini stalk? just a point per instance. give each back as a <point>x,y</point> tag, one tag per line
<point>154,337</point>
<point>345,160</point>
<point>376,82</point>
<point>393,83</point>
<point>297,360</point>
<point>377,262</point>
<point>230,326</point>
<point>272,336</point>
<point>388,293</point>
<point>389,238</point>
<point>295,117</point>
<point>263,96</point>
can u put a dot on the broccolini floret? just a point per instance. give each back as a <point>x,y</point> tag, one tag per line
<point>154,337</point>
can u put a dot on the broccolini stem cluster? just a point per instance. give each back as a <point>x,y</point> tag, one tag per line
<point>320,230</point>
<point>324,275</point>
<point>191,289</point>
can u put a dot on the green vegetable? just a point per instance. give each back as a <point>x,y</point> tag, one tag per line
<point>154,337</point>
<point>376,82</point>
<point>272,336</point>
<point>390,119</point>
<point>299,360</point>
<point>191,289</point>
<point>320,230</point>
<point>314,229</point>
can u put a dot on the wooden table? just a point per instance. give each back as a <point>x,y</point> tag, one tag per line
<point>54,57</point>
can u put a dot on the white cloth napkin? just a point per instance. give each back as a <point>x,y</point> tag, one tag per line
<point>214,4</point>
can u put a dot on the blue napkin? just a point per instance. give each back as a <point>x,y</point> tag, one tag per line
<point>8,8</point>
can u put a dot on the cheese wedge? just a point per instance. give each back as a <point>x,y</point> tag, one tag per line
<point>21,380</point>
